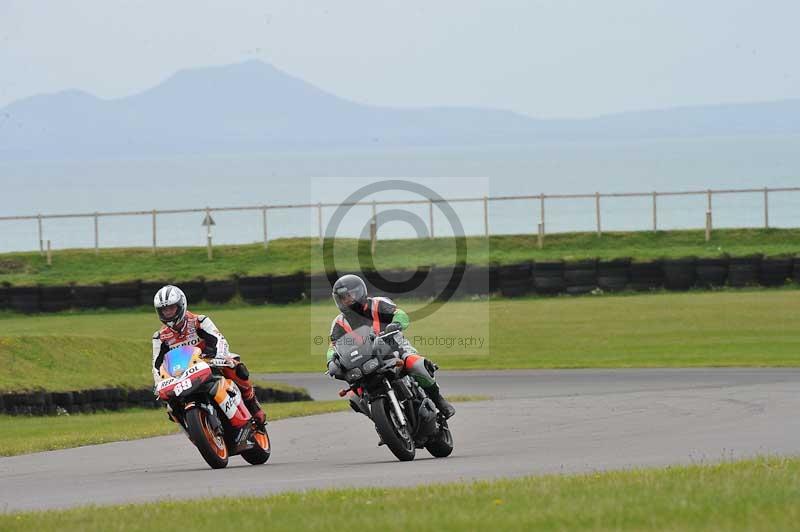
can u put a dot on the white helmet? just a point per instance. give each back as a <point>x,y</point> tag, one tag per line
<point>170,304</point>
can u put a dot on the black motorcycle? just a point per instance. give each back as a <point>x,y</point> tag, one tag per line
<point>405,418</point>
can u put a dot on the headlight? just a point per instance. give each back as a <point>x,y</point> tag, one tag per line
<point>370,365</point>
<point>354,374</point>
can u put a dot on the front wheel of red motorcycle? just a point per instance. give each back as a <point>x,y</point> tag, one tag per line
<point>209,442</point>
<point>261,451</point>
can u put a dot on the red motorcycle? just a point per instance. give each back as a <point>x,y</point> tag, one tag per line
<point>210,408</point>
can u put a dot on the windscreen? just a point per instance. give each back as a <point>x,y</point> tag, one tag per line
<point>177,360</point>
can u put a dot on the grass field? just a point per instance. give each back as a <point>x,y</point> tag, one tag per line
<point>759,494</point>
<point>728,328</point>
<point>20,435</point>
<point>292,255</point>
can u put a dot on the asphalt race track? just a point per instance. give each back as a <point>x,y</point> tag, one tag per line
<point>539,422</point>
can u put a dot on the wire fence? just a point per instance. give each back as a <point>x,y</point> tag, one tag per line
<point>538,210</point>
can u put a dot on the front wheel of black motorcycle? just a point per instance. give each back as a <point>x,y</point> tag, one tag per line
<point>209,442</point>
<point>441,445</point>
<point>396,436</point>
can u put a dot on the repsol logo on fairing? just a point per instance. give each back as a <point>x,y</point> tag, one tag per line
<point>193,341</point>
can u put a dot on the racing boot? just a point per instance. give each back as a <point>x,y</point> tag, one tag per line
<point>255,409</point>
<point>442,404</point>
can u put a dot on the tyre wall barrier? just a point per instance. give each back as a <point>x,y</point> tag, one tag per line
<point>580,277</point>
<point>548,277</point>
<point>515,280</point>
<point>255,290</point>
<point>613,275</point>
<point>221,291</point>
<point>775,271</point>
<point>85,297</point>
<point>646,276</point>
<point>24,299</point>
<point>744,271</point>
<point>679,274</point>
<point>287,288</point>
<point>86,401</point>
<point>711,273</point>
<point>511,280</point>
<point>124,295</point>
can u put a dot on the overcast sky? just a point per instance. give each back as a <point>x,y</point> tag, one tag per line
<point>551,58</point>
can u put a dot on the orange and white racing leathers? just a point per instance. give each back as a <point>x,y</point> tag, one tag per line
<point>198,330</point>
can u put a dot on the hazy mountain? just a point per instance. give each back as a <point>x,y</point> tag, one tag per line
<point>253,107</point>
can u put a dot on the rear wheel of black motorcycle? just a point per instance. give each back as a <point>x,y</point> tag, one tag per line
<point>210,443</point>
<point>396,437</point>
<point>261,452</point>
<point>442,445</point>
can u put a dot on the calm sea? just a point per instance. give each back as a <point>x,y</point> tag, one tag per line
<point>286,178</point>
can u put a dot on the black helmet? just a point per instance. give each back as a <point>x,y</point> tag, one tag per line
<point>350,293</point>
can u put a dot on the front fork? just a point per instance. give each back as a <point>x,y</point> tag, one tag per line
<point>395,403</point>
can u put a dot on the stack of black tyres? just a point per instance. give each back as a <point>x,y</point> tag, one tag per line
<point>195,290</point>
<point>580,277</point>
<point>24,299</point>
<point>712,272</point>
<point>55,298</point>
<point>220,291</point>
<point>3,298</point>
<point>515,279</point>
<point>646,276</point>
<point>147,291</point>
<point>478,280</point>
<point>548,277</point>
<point>613,275</point>
<point>400,283</point>
<point>287,288</point>
<point>775,271</point>
<point>318,287</point>
<point>123,295</point>
<point>88,296</point>
<point>448,282</point>
<point>255,290</point>
<point>796,270</point>
<point>744,271</point>
<point>679,274</point>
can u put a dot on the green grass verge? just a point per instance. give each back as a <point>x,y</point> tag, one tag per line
<point>20,435</point>
<point>284,256</point>
<point>60,363</point>
<point>758,494</point>
<point>728,328</point>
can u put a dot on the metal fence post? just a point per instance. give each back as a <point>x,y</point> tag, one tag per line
<point>264,223</point>
<point>655,211</point>
<point>430,215</point>
<point>155,233</point>
<point>708,225</point>
<point>373,228</point>
<point>319,221</point>
<point>486,216</point>
<point>597,212</point>
<point>540,239</point>
<point>541,211</point>
<point>96,235</point>
<point>708,193</point>
<point>41,241</point>
<point>49,255</point>
<point>209,247</point>
<point>766,208</point>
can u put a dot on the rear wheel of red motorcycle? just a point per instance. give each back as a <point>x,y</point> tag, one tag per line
<point>209,442</point>
<point>260,453</point>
